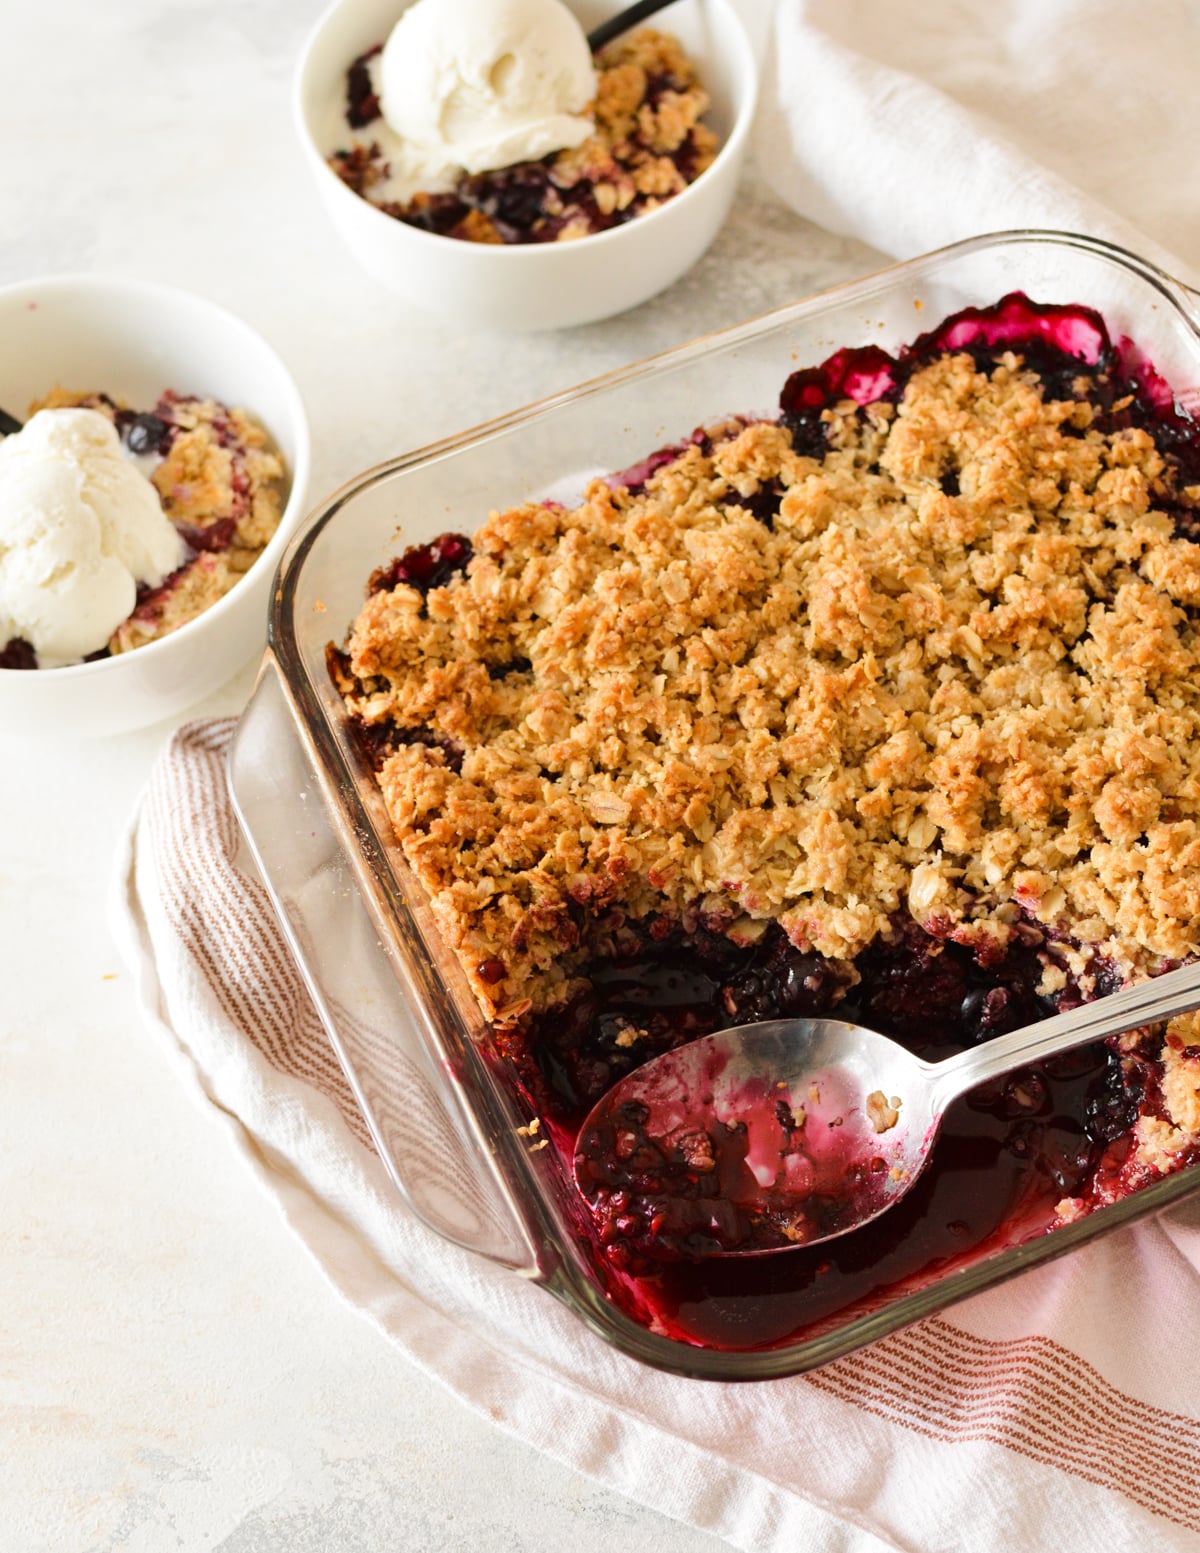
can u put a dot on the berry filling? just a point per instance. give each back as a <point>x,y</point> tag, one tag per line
<point>362,101</point>
<point>1008,1154</point>
<point>424,567</point>
<point>17,654</point>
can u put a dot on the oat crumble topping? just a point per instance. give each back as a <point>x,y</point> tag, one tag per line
<point>896,699</point>
<point>883,1113</point>
<point>970,701</point>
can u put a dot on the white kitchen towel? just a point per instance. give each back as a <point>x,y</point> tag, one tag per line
<point>1059,1412</point>
<point>911,126</point>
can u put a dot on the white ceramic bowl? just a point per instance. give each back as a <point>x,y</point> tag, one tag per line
<point>134,340</point>
<point>541,285</point>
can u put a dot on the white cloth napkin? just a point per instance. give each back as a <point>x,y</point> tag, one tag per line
<point>1062,1411</point>
<point>911,126</point>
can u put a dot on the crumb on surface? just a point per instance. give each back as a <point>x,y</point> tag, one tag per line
<point>1181,1073</point>
<point>1160,1145</point>
<point>882,1112</point>
<point>698,1150</point>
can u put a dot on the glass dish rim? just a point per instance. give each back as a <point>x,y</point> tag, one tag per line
<point>340,780</point>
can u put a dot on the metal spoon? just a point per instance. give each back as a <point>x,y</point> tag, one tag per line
<point>622,21</point>
<point>805,1129</point>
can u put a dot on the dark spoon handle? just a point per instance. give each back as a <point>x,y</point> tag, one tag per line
<point>9,424</point>
<point>622,21</point>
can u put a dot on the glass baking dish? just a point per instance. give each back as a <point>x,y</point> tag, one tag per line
<point>395,1002</point>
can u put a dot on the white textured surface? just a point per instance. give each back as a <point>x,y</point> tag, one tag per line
<point>174,1374</point>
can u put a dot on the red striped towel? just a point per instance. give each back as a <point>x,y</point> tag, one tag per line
<point>1059,1412</point>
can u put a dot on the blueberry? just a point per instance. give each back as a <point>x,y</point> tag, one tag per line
<point>17,654</point>
<point>514,198</point>
<point>146,433</point>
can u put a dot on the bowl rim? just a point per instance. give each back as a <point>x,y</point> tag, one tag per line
<point>100,286</point>
<point>746,69</point>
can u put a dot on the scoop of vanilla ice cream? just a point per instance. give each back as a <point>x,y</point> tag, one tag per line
<point>80,527</point>
<point>478,84</point>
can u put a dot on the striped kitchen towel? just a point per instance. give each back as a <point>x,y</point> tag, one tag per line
<point>1062,1411</point>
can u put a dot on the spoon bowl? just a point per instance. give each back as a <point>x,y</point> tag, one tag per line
<point>790,1132</point>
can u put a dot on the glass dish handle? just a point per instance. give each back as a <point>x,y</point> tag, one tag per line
<point>410,1109</point>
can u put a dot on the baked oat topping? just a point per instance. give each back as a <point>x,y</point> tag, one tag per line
<point>883,1113</point>
<point>889,698</point>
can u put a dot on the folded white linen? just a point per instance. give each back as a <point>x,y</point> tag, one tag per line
<point>911,126</point>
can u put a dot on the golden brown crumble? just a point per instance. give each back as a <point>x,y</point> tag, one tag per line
<point>1160,1145</point>
<point>895,699</point>
<point>204,580</point>
<point>1181,1073</point>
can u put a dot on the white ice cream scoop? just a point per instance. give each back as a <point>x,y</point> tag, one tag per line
<point>474,85</point>
<point>80,528</point>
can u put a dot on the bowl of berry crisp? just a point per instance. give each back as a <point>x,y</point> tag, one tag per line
<point>153,464</point>
<point>482,161</point>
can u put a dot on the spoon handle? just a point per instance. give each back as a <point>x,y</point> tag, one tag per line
<point>1148,1002</point>
<point>630,16</point>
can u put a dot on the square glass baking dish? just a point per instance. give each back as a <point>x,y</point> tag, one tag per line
<point>395,1003</point>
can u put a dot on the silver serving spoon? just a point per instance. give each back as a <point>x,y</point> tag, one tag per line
<point>622,21</point>
<point>810,1127</point>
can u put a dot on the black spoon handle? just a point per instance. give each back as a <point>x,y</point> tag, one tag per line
<point>622,21</point>
<point>8,424</point>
